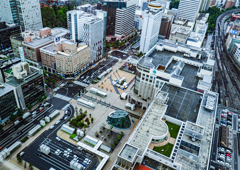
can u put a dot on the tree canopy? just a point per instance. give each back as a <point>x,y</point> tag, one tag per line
<point>55,16</point>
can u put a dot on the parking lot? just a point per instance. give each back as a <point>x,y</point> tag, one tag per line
<point>224,145</point>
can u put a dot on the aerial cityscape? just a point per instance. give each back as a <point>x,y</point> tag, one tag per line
<point>119,85</point>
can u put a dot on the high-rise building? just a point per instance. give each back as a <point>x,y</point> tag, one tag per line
<point>86,27</point>
<point>120,17</point>
<point>204,5</point>
<point>6,31</point>
<point>8,103</point>
<point>25,13</point>
<point>166,25</point>
<point>188,9</point>
<point>65,57</point>
<point>100,14</point>
<point>151,25</point>
<point>27,81</point>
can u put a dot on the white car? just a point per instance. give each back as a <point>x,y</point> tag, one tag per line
<point>57,122</point>
<point>220,162</point>
<point>58,139</point>
<point>66,118</point>
<point>51,127</point>
<point>79,148</point>
<point>69,150</point>
<point>75,156</point>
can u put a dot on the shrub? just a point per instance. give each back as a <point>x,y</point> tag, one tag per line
<point>24,139</point>
<point>86,120</point>
<point>73,136</point>
<point>80,124</point>
<point>112,145</point>
<point>88,123</point>
<point>122,133</point>
<point>92,119</point>
<point>116,141</point>
<point>119,137</point>
<point>74,122</point>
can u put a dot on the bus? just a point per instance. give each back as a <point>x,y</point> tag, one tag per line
<point>98,92</point>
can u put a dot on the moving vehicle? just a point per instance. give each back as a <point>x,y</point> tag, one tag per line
<point>51,127</point>
<point>57,122</point>
<point>22,153</point>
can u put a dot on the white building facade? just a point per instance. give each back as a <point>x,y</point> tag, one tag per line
<point>151,25</point>
<point>188,9</point>
<point>25,13</point>
<point>87,28</point>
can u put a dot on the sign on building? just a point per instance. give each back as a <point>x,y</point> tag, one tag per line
<point>57,39</point>
<point>234,32</point>
<point>21,52</point>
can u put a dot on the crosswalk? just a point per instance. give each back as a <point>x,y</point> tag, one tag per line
<point>80,84</point>
<point>62,97</point>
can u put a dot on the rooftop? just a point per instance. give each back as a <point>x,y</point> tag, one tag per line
<point>17,37</point>
<point>205,119</point>
<point>183,104</point>
<point>4,89</point>
<point>128,152</point>
<point>11,80</point>
<point>151,125</point>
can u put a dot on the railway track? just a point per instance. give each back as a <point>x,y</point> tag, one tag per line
<point>226,77</point>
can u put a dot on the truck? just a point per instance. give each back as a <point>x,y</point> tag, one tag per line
<point>25,115</point>
<point>45,149</point>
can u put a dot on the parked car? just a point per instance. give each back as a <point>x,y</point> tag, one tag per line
<point>58,139</point>
<point>69,150</point>
<point>230,114</point>
<point>1,148</point>
<point>51,127</point>
<point>57,122</point>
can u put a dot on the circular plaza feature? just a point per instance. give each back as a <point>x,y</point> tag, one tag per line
<point>119,119</point>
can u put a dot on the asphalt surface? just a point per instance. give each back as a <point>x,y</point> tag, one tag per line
<point>12,134</point>
<point>45,162</point>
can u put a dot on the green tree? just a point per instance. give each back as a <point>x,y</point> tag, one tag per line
<point>54,74</point>
<point>80,110</point>
<point>116,44</point>
<point>80,124</point>
<point>85,112</point>
<point>90,115</point>
<point>20,112</point>
<point>60,77</point>
<point>1,127</point>
<point>119,137</point>
<point>30,166</point>
<point>75,123</point>
<point>116,141</point>
<point>136,33</point>
<point>92,119</point>
<point>53,81</point>
<point>19,159</point>
<point>12,117</point>
<point>122,133</point>
<point>29,107</point>
<point>39,98</point>
<point>54,7</point>
<point>85,126</point>
<point>88,123</point>
<point>48,78</point>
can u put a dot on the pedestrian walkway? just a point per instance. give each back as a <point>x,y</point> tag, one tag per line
<point>131,82</point>
<point>57,88</point>
<point>62,97</point>
<point>118,75</point>
<point>80,83</point>
<point>98,145</point>
<point>115,88</point>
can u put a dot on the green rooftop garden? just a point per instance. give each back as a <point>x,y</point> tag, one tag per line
<point>165,150</point>
<point>173,129</point>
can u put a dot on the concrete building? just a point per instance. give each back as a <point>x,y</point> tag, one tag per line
<point>190,148</point>
<point>235,52</point>
<point>201,20</point>
<point>27,82</point>
<point>138,20</point>
<point>151,25</point>
<point>8,103</point>
<point>181,30</point>
<point>120,20</point>
<point>188,9</point>
<point>34,40</point>
<point>176,63</point>
<point>166,24</point>
<point>86,27</point>
<point>204,5</point>
<point>65,57</point>
<point>232,38</point>
<point>24,13</point>
<point>229,4</point>
<point>100,14</point>
<point>196,38</point>
<point>6,30</point>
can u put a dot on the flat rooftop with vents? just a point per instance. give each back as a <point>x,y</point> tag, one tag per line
<point>183,104</point>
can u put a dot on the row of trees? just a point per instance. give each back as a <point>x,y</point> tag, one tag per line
<point>118,43</point>
<point>214,12</point>
<point>55,16</point>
